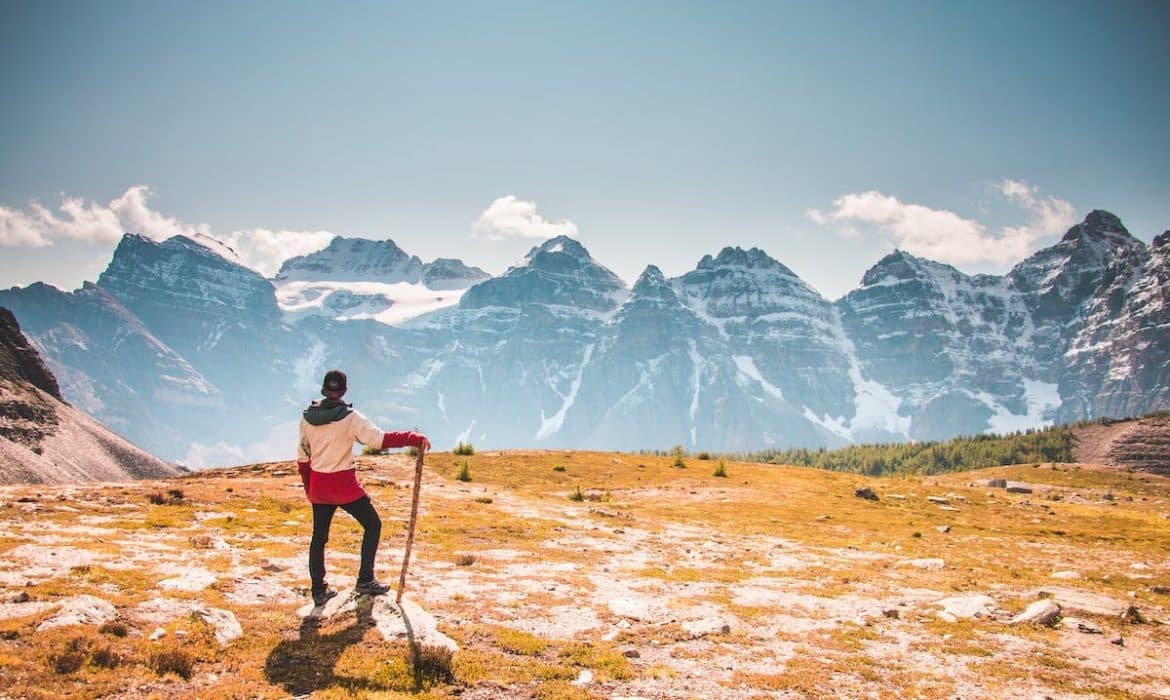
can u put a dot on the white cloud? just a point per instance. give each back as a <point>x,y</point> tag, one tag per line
<point>74,218</point>
<point>261,249</point>
<point>946,236</point>
<point>19,230</point>
<point>132,211</point>
<point>512,217</point>
<point>1050,215</point>
<point>78,219</point>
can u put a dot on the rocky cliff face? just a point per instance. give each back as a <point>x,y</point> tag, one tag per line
<point>1118,364</point>
<point>737,354</point>
<point>43,439</point>
<point>954,348</point>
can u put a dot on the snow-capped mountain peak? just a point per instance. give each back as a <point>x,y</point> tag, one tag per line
<point>355,260</point>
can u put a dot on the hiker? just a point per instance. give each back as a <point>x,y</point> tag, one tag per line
<point>325,459</point>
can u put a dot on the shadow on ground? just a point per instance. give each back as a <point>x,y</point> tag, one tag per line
<point>308,663</point>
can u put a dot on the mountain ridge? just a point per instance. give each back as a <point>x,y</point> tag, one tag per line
<point>739,353</point>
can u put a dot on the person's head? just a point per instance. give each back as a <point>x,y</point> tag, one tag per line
<point>334,385</point>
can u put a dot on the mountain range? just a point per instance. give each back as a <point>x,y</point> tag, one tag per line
<point>202,360</point>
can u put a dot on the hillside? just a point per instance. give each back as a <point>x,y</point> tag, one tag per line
<point>1141,444</point>
<point>45,440</point>
<point>661,582</point>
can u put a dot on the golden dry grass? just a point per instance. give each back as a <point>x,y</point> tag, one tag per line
<point>506,562</point>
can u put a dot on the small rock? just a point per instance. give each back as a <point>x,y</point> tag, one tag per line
<point>631,654</point>
<point>823,518</point>
<point>80,610</point>
<point>1133,616</point>
<point>21,597</point>
<point>866,493</point>
<point>1017,488</point>
<point>1080,625</point>
<point>892,613</point>
<point>224,622</point>
<point>157,634</point>
<point>1042,612</point>
<point>943,529</point>
<point>895,496</point>
<point>1084,601</point>
<point>585,677</point>
<point>1118,641</point>
<point>1161,590</point>
<point>938,499</point>
<point>698,629</point>
<point>950,509</point>
<point>966,606</point>
<point>1066,574</point>
<point>1107,496</point>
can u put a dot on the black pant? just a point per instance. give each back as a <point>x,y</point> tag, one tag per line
<point>363,511</point>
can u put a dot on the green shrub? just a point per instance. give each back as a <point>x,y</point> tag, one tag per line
<point>1054,444</point>
<point>559,468</point>
<point>721,469</point>
<point>577,495</point>
<point>411,451</point>
<point>678,453</point>
<point>463,449</point>
<point>371,451</point>
<point>464,471</point>
<point>703,455</point>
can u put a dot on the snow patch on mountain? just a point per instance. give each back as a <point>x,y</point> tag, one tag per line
<point>552,424</point>
<point>389,303</point>
<point>1042,400</point>
<point>747,368</point>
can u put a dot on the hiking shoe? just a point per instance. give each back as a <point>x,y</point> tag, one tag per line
<point>371,587</point>
<point>322,597</point>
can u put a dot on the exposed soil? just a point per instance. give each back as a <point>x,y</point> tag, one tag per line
<point>1141,444</point>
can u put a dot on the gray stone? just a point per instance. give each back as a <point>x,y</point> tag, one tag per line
<point>866,493</point>
<point>1081,625</point>
<point>224,622</point>
<point>80,610</point>
<point>1085,602</point>
<point>966,606</point>
<point>997,483</point>
<point>1042,612</point>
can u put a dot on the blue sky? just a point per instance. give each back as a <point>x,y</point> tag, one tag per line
<point>824,133</point>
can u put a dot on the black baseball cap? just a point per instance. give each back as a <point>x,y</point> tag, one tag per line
<point>335,381</point>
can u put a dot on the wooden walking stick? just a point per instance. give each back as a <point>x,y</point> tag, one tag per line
<point>418,472</point>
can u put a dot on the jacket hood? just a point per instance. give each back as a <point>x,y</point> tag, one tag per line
<point>327,411</point>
